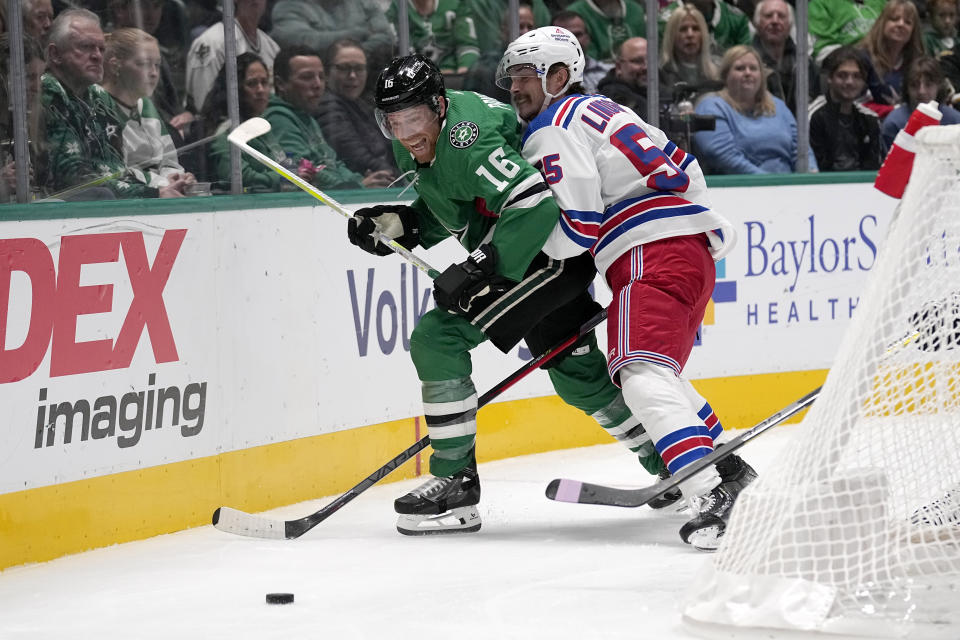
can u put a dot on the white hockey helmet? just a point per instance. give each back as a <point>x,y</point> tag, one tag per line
<point>541,49</point>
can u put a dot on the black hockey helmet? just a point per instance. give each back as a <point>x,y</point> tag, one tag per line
<point>408,81</point>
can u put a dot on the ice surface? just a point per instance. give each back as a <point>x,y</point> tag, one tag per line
<point>537,569</point>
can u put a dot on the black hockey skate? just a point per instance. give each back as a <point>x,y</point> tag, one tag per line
<point>708,526</point>
<point>667,498</point>
<point>441,505</point>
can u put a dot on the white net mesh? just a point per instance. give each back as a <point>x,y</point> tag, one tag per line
<point>856,528</point>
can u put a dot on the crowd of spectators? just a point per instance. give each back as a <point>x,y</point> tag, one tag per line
<point>128,98</point>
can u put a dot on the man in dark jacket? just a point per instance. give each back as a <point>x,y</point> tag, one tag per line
<point>300,82</point>
<point>844,135</point>
<point>626,83</point>
<point>773,20</point>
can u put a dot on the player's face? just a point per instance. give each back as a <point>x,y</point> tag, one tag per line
<point>304,88</point>
<point>417,129</point>
<point>846,82</point>
<point>526,92</point>
<point>255,90</point>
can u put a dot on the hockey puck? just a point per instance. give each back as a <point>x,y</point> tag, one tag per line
<point>279,598</point>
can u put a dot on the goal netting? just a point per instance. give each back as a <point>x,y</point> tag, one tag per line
<point>855,528</point>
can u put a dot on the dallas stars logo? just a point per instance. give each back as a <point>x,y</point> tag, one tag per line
<point>463,134</point>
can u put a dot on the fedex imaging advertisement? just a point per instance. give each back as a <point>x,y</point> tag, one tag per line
<point>138,341</point>
<point>99,348</point>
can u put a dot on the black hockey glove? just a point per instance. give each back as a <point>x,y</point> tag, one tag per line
<point>395,221</point>
<point>470,286</point>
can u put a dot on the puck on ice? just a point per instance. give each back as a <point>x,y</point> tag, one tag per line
<point>279,598</point>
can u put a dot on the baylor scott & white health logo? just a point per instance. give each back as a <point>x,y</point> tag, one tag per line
<point>463,134</point>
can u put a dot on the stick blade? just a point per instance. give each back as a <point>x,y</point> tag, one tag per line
<point>248,130</point>
<point>575,491</point>
<point>242,523</point>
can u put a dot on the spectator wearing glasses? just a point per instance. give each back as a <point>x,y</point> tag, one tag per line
<point>300,82</point>
<point>85,144</point>
<point>345,116</point>
<point>844,135</point>
<point>626,83</point>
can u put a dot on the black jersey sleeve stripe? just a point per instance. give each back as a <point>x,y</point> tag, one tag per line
<point>533,190</point>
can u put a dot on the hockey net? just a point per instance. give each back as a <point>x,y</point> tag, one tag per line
<point>855,528</point>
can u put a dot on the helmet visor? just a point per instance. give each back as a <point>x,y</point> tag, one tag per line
<point>406,123</point>
<point>506,75</point>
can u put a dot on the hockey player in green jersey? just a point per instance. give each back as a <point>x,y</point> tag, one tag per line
<point>473,184</point>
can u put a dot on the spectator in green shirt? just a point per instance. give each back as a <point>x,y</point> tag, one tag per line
<point>838,22</point>
<point>442,30</point>
<point>487,16</point>
<point>610,23</point>
<point>941,33</point>
<point>300,81</point>
<point>86,143</point>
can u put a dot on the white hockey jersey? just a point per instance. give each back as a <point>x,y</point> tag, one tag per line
<point>619,181</point>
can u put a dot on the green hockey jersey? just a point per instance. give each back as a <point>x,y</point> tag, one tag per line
<point>478,188</point>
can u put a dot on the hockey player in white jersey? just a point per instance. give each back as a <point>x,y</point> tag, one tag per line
<point>639,205</point>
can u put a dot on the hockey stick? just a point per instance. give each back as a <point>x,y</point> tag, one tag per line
<point>564,490</point>
<point>254,127</point>
<point>246,524</point>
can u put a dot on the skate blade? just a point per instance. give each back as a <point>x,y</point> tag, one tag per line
<point>706,539</point>
<point>459,520</point>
